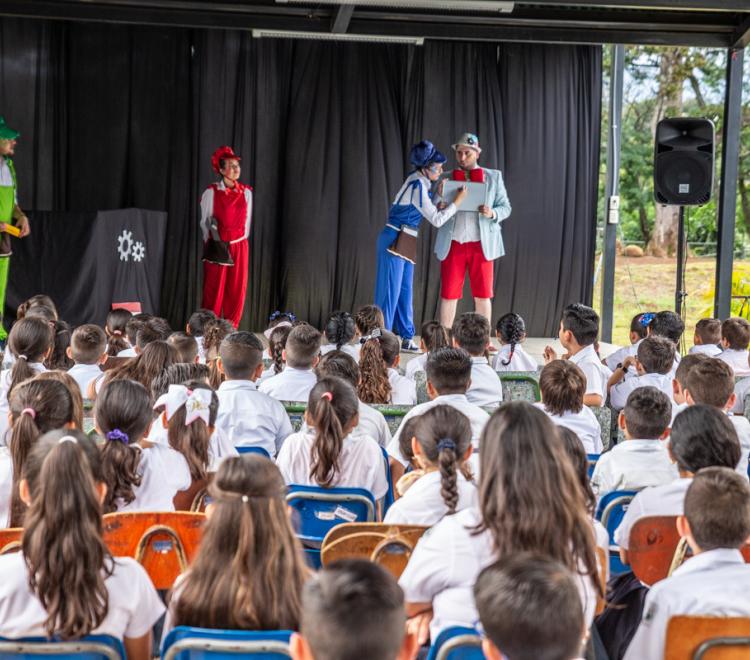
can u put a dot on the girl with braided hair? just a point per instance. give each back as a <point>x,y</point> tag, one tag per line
<point>511,331</point>
<point>442,446</point>
<point>340,332</point>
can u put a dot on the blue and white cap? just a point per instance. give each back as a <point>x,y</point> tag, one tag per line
<point>424,153</point>
<point>468,140</point>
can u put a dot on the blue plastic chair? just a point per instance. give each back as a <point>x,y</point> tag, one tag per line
<point>610,512</point>
<point>389,498</point>
<point>252,450</point>
<point>318,510</point>
<point>592,458</point>
<point>91,647</point>
<point>457,643</point>
<point>186,643</point>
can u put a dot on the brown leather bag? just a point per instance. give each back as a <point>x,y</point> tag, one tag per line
<point>405,245</point>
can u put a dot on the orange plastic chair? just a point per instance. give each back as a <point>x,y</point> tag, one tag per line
<point>707,638</point>
<point>388,545</point>
<point>603,562</point>
<point>163,542</point>
<point>10,540</point>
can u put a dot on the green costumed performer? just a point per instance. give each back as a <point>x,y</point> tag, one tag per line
<point>12,218</point>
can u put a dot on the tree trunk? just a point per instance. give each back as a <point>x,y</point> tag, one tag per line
<point>745,203</point>
<point>666,224</point>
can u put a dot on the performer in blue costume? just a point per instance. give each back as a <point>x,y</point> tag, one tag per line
<point>397,241</point>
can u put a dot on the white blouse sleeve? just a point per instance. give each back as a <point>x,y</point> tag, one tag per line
<point>427,573</point>
<point>428,209</point>
<point>207,209</point>
<point>248,219</point>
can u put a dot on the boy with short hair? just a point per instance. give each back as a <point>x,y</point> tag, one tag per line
<point>185,345</point>
<point>134,324</point>
<point>530,608</point>
<point>448,377</point>
<point>735,337</point>
<point>707,338</point>
<point>371,421</point>
<point>88,349</point>
<point>653,362</point>
<point>563,387</point>
<point>579,329</point>
<point>471,331</point>
<point>716,580</point>
<point>642,460</point>
<point>353,609</point>
<point>249,418</point>
<point>711,382</point>
<point>301,355</point>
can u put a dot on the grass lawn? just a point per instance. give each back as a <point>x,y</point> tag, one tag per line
<point>648,284</point>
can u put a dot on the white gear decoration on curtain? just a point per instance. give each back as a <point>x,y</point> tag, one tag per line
<point>139,251</point>
<point>125,244</point>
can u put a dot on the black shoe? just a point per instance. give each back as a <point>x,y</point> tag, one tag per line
<point>408,346</point>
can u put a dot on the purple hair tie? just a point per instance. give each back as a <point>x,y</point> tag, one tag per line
<point>117,434</point>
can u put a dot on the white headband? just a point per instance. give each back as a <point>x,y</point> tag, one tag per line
<point>197,403</point>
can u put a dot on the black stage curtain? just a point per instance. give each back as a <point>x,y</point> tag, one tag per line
<point>124,116</point>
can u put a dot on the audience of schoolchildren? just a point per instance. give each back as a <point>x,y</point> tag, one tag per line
<point>505,487</point>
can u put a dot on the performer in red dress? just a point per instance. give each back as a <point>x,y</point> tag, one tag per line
<point>231,203</point>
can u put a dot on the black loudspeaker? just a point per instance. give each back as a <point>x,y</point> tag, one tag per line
<point>684,161</point>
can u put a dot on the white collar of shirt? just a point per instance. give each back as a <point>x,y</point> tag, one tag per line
<point>448,398</point>
<point>586,353</point>
<point>709,560</point>
<point>479,359</point>
<point>291,371</point>
<point>641,445</point>
<point>230,385</point>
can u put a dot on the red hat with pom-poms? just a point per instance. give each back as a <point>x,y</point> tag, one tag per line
<point>222,153</point>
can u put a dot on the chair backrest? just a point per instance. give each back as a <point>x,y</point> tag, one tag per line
<point>651,547</point>
<point>296,412</point>
<point>707,638</point>
<point>184,500</point>
<point>612,508</point>
<point>164,543</point>
<point>603,571</point>
<point>394,415</point>
<point>520,386</point>
<point>252,450</point>
<point>390,496</point>
<point>91,647</point>
<point>388,545</point>
<point>603,415</point>
<point>592,459</point>
<point>320,509</point>
<point>10,540</point>
<point>457,643</point>
<point>186,643</point>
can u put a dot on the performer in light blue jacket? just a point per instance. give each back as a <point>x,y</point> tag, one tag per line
<point>395,274</point>
<point>471,239</point>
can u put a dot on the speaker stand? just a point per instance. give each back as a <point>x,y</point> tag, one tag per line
<point>679,292</point>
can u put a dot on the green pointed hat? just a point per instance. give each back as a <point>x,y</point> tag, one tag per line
<point>6,132</point>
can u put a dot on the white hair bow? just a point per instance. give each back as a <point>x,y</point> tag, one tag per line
<point>197,403</point>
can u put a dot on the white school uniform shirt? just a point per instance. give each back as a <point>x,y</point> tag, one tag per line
<point>712,350</point>
<point>741,390</point>
<point>677,408</point>
<point>742,426</point>
<point>164,472</point>
<point>618,394</point>
<point>349,349</point>
<point>83,374</point>
<point>219,445</point>
<point>584,424</point>
<point>737,360</point>
<point>414,365</point>
<point>521,360</point>
<point>477,418</point>
<point>39,368</point>
<point>713,583</point>
<point>445,565</point>
<point>290,385</point>
<point>371,424</point>
<point>666,500</point>
<point>361,463</point>
<point>134,606</point>
<point>267,373</point>
<point>6,486</point>
<point>620,354</point>
<point>486,388</point>
<point>128,352</point>
<point>251,418</point>
<point>422,503</point>
<point>403,389</point>
<point>633,465</point>
<point>597,374</point>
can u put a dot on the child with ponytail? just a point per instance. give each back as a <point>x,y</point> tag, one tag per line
<point>276,346</point>
<point>511,332</point>
<point>441,445</point>
<point>326,454</point>
<point>36,406</point>
<point>433,336</point>
<point>381,382</point>
<point>340,332</point>
<point>188,412</point>
<point>250,567</point>
<point>137,478</point>
<point>64,583</point>
<point>115,329</point>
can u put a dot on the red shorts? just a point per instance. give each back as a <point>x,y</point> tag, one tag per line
<point>453,270</point>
